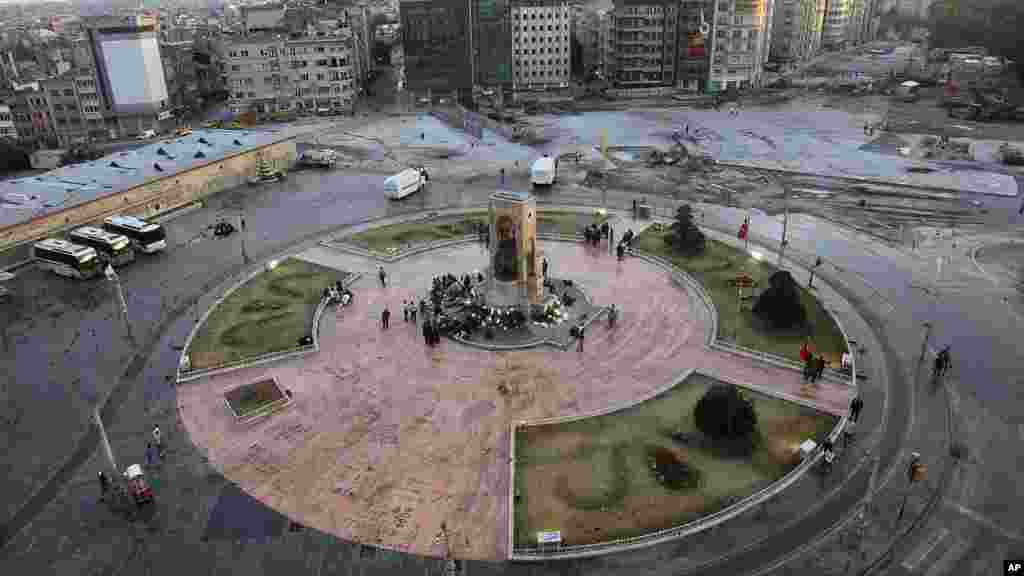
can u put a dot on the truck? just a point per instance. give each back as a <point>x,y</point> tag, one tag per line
<point>543,171</point>
<point>325,158</point>
<point>406,182</point>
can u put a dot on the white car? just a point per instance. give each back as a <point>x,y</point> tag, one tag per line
<point>147,134</point>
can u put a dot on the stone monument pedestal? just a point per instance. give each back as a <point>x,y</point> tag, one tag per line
<point>515,262</point>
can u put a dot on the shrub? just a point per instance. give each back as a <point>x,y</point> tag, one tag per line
<point>727,418</point>
<point>779,306</point>
<point>670,470</point>
<point>684,236</point>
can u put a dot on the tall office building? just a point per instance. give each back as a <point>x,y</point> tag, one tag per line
<point>541,46</point>
<point>837,15</point>
<point>796,32</point>
<point>646,43</point>
<point>438,46</point>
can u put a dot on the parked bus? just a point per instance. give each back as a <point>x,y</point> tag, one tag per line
<point>146,236</point>
<point>67,259</point>
<point>113,248</point>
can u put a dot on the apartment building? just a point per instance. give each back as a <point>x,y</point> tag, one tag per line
<point>492,36</point>
<point>836,25</point>
<point>180,75</point>
<point>437,46</point>
<point>270,72</point>
<point>541,45</point>
<point>7,127</point>
<point>796,33</point>
<point>859,25</point>
<point>593,31</point>
<point>740,44</point>
<point>645,43</point>
<point>693,68</point>
<point>31,114</point>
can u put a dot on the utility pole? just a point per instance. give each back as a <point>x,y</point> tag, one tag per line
<point>107,450</point>
<point>241,229</point>
<point>113,277</point>
<point>785,224</point>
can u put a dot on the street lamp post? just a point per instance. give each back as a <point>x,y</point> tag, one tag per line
<point>113,277</point>
<point>785,224</point>
<point>241,229</point>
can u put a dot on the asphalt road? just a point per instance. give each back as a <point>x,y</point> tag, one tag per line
<point>50,410</point>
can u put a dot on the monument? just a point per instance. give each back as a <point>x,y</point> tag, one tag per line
<point>516,277</point>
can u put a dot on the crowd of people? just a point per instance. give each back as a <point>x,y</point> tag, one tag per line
<point>814,365</point>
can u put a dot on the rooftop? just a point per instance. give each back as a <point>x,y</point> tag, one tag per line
<point>22,199</point>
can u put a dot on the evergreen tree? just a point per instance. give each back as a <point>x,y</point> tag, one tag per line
<point>684,236</point>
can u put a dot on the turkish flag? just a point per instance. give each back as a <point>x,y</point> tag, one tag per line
<point>744,228</point>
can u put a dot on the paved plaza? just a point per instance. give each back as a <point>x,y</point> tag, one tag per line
<point>387,439</point>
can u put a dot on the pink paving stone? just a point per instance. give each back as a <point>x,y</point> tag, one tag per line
<point>382,428</point>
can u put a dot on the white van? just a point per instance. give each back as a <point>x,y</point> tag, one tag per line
<point>405,182</point>
<point>542,173</point>
<point>325,158</point>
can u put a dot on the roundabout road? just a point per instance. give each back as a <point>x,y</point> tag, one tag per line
<point>425,431</point>
<point>159,292</point>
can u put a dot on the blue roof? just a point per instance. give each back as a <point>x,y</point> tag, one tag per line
<point>77,184</point>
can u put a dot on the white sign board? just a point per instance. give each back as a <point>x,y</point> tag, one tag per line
<point>549,537</point>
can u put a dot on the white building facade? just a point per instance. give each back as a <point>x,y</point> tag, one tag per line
<point>541,44</point>
<point>269,72</point>
<point>740,43</point>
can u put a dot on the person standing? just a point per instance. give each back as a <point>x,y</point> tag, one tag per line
<point>855,407</point>
<point>579,338</point>
<point>384,318</point>
<point>544,267</point>
<point>611,240</point>
<point>104,485</point>
<point>820,368</point>
<point>405,310</point>
<point>412,311</point>
<point>809,368</point>
<point>634,209</point>
<point>383,276</point>
<point>426,331</point>
<point>158,439</point>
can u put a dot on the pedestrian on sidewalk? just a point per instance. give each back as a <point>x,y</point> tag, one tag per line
<point>405,310</point>
<point>544,267</point>
<point>384,318</point>
<point>805,352</point>
<point>150,456</point>
<point>809,368</point>
<point>819,369</point>
<point>502,176</point>
<point>412,311</point>
<point>613,315</point>
<point>158,439</point>
<point>848,432</point>
<point>579,338</point>
<point>426,331</point>
<point>611,239</point>
<point>634,209</point>
<point>383,276</point>
<point>104,485</point>
<point>855,407</point>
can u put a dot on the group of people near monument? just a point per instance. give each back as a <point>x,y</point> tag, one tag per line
<point>814,365</point>
<point>337,294</point>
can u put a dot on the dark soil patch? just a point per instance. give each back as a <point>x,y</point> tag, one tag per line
<point>671,470</point>
<point>250,398</point>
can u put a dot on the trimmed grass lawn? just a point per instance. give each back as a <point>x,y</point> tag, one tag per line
<point>716,267</point>
<point>270,313</point>
<point>393,237</point>
<point>591,479</point>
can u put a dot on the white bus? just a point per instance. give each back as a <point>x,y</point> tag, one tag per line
<point>67,259</point>
<point>146,236</point>
<point>113,248</point>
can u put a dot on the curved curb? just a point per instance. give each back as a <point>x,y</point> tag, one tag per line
<point>646,540</point>
<point>977,250</point>
<point>706,522</point>
<point>184,376</point>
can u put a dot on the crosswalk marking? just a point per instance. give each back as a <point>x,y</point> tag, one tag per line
<point>924,549</point>
<point>952,554</point>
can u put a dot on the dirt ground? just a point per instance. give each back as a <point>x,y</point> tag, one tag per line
<point>591,479</point>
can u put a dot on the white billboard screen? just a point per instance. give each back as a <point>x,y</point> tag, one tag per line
<point>135,72</point>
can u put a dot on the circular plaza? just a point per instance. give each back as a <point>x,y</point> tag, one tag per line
<point>382,439</point>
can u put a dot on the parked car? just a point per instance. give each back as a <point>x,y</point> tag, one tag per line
<point>147,134</point>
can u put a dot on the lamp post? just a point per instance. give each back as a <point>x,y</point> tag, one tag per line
<point>116,280</point>
<point>241,229</point>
